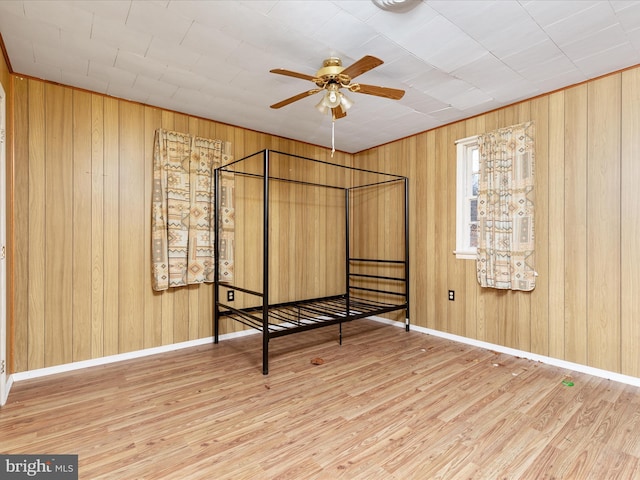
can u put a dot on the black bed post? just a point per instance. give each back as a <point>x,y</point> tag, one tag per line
<point>347,263</point>
<point>216,256</point>
<point>406,250</point>
<point>265,268</point>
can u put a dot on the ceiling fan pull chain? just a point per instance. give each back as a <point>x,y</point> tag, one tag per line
<point>333,137</point>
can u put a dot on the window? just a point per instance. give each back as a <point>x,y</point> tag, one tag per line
<point>468,176</point>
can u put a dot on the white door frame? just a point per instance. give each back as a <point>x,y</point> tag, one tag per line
<point>4,391</point>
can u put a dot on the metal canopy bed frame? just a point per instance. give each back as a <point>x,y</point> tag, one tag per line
<point>372,285</point>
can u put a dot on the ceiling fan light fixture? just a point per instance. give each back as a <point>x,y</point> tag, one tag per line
<point>322,108</point>
<point>333,96</point>
<point>333,77</point>
<point>345,102</point>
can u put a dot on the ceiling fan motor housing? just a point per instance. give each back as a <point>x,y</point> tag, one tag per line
<point>330,72</point>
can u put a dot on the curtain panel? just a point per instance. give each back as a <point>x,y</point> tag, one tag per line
<point>506,202</point>
<point>182,223</point>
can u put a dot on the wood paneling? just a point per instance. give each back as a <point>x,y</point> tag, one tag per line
<point>556,226</point>
<point>603,223</point>
<point>153,303</point>
<point>583,310</point>
<point>455,268</point>
<point>18,332</point>
<point>97,226</point>
<point>575,215</point>
<point>58,224</point>
<point>630,224</point>
<point>83,187</point>
<point>539,298</point>
<point>81,226</point>
<point>132,216</point>
<point>36,273</point>
<point>111,209</point>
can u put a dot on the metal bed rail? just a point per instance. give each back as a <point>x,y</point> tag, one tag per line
<point>292,317</point>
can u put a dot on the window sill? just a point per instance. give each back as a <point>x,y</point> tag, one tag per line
<point>465,255</point>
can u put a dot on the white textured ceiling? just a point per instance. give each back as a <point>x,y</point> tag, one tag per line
<point>455,59</point>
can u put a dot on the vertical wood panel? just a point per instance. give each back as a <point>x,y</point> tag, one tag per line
<point>455,267</point>
<point>18,357</point>
<point>539,298</point>
<point>293,232</point>
<point>556,222</point>
<point>336,221</point>
<point>37,202</point>
<point>97,226</point>
<point>630,227</point>
<point>131,235</point>
<point>323,231</point>
<point>430,262</point>
<point>111,206</point>
<point>419,212</point>
<point>58,225</point>
<point>440,234</point>
<point>279,195</point>
<point>575,208</point>
<point>603,227</point>
<point>152,299</point>
<point>81,225</point>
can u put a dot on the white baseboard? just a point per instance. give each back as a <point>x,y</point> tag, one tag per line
<point>7,389</point>
<point>68,367</point>
<point>596,372</point>
<point>556,362</point>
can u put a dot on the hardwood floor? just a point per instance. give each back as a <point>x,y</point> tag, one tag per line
<point>385,405</point>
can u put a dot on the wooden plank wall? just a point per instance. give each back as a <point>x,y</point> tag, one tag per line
<point>82,287</point>
<point>82,214</point>
<point>585,307</point>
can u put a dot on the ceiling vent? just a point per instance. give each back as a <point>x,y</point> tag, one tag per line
<point>396,6</point>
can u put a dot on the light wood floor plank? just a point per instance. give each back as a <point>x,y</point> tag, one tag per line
<point>385,405</point>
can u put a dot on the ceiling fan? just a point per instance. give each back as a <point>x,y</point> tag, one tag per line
<point>331,78</point>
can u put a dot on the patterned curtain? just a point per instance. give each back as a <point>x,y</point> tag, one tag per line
<point>182,222</point>
<point>506,208</point>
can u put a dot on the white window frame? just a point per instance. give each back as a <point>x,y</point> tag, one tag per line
<point>464,152</point>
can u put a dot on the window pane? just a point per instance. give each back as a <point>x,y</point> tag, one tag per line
<point>473,235</point>
<point>475,178</point>
<point>473,209</point>
<point>475,160</point>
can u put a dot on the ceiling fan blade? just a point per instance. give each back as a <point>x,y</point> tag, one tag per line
<point>392,93</point>
<point>295,98</point>
<point>363,65</point>
<point>289,73</point>
<point>338,112</point>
